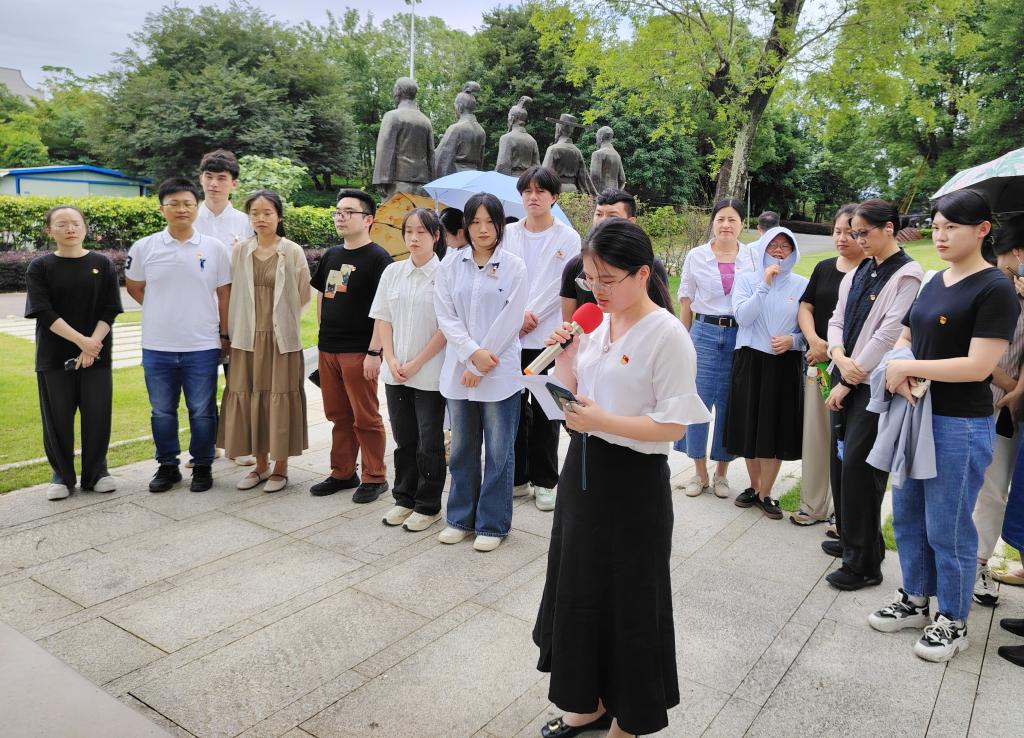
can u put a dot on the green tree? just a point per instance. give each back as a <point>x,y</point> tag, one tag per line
<point>72,107</point>
<point>20,144</point>
<point>280,175</point>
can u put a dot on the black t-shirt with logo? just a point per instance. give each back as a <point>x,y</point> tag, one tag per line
<point>942,322</point>
<point>822,293</point>
<point>348,279</point>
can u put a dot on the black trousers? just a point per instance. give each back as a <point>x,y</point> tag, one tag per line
<point>417,423</point>
<point>858,487</point>
<point>62,393</point>
<point>536,439</point>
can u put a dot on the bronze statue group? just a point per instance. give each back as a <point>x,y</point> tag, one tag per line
<point>865,349</point>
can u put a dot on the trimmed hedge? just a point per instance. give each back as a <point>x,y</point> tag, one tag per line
<point>118,222</point>
<point>13,265</point>
<point>805,226</point>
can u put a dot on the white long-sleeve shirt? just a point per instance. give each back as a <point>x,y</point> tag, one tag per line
<point>545,255</point>
<point>481,308</point>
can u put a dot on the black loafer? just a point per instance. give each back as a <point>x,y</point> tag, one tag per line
<point>832,548</point>
<point>332,484</point>
<point>1013,625</point>
<point>746,498</point>
<point>850,581</point>
<point>1013,654</point>
<point>369,492</point>
<point>558,729</point>
<point>770,508</point>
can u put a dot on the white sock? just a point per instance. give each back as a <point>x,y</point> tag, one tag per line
<point>916,600</point>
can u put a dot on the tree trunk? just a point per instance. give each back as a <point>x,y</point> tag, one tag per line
<point>733,174</point>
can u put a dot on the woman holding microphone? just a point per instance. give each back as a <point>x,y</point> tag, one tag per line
<point>604,628</point>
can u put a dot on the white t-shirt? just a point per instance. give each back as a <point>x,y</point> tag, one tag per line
<point>651,370</point>
<point>229,227</point>
<point>481,308</point>
<point>180,308</point>
<point>405,298</point>
<point>545,255</point>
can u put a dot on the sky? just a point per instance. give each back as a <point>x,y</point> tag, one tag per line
<point>83,34</point>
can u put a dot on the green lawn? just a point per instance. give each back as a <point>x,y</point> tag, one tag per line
<point>21,434</point>
<point>923,252</point>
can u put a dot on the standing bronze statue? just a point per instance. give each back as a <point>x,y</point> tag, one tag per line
<point>566,160</point>
<point>517,149</point>
<point>605,163</point>
<point>462,146</point>
<point>405,145</point>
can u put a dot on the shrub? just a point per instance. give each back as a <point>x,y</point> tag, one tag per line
<point>118,222</point>
<point>673,232</point>
<point>263,173</point>
<point>807,227</point>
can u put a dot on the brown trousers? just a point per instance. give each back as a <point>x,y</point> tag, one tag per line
<point>350,403</point>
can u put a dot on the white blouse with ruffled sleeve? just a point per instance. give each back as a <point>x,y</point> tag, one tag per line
<point>651,370</point>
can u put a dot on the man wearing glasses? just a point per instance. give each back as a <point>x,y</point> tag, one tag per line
<point>182,279</point>
<point>350,350</point>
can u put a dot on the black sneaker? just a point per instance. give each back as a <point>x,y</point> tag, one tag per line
<point>746,498</point>
<point>850,581</point>
<point>332,484</point>
<point>166,477</point>
<point>770,508</point>
<point>832,548</point>
<point>202,478</point>
<point>369,491</point>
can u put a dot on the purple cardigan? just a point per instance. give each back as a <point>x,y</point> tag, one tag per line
<point>884,323</point>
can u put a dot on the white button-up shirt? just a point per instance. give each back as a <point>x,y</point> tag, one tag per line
<point>701,280</point>
<point>481,308</point>
<point>545,254</point>
<point>229,227</point>
<point>405,299</point>
<point>650,370</point>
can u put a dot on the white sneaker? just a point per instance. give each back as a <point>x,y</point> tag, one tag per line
<point>396,515</point>
<point>523,490</point>
<point>942,640</point>
<point>452,535</point>
<point>418,521</point>
<point>487,543</point>
<point>245,460</point>
<point>57,491</point>
<point>544,499</point>
<point>985,591</point>
<point>695,487</point>
<point>900,614</point>
<point>721,488</point>
<point>105,484</point>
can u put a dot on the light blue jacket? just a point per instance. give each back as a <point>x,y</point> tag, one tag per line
<point>762,311</point>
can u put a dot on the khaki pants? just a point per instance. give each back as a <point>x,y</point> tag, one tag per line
<point>350,403</point>
<point>815,493</point>
<point>991,505</point>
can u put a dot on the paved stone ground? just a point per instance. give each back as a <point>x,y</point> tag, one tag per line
<point>240,613</point>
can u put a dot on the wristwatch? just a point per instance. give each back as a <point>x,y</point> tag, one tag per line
<point>371,352</point>
<point>225,337</point>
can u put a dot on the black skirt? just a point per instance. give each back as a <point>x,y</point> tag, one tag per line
<point>605,623</point>
<point>765,418</point>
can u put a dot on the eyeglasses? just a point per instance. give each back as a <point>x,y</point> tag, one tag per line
<point>346,214</point>
<point>176,205</point>
<point>584,283</point>
<point>858,235</point>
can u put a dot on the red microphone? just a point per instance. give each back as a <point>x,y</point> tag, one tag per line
<point>586,319</point>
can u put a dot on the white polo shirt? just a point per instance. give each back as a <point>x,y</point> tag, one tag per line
<point>405,298</point>
<point>180,309</point>
<point>229,227</point>
<point>481,307</point>
<point>545,255</point>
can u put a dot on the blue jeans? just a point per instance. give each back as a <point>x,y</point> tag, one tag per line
<point>1013,520</point>
<point>484,508</point>
<point>935,535</point>
<point>714,348</point>
<point>168,373</point>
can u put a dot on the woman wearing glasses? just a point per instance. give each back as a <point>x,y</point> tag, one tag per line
<point>873,299</point>
<point>604,627</point>
<point>705,300</point>
<point>766,385</point>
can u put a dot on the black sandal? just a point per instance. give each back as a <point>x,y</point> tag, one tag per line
<point>557,728</point>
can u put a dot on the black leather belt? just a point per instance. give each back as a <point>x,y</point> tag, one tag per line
<point>722,321</point>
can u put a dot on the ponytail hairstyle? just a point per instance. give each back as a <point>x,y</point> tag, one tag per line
<point>967,207</point>
<point>274,199</point>
<point>846,211</point>
<point>878,213</point>
<point>429,220</point>
<point>625,245</point>
<point>1010,235</point>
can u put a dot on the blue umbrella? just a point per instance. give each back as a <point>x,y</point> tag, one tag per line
<point>455,189</point>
